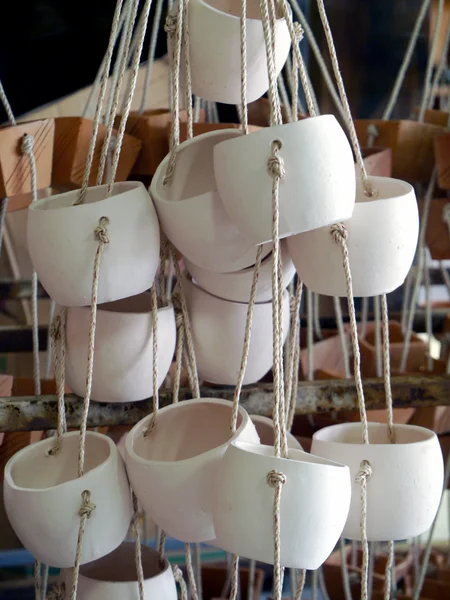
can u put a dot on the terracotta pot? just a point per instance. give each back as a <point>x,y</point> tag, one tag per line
<point>435,117</point>
<point>150,128</point>
<point>42,495</point>
<point>237,286</point>
<point>328,359</point>
<point>404,491</point>
<point>411,144</point>
<point>382,233</point>
<point>218,329</point>
<point>214,578</point>
<point>180,458</point>
<point>318,188</point>
<point>416,356</point>
<point>15,173</point>
<point>214,29</point>
<point>442,153</point>
<point>123,355</point>
<point>378,161</point>
<point>62,244</point>
<point>314,505</point>
<point>437,234</point>
<point>201,128</point>
<point>113,577</point>
<point>191,211</point>
<point>72,140</point>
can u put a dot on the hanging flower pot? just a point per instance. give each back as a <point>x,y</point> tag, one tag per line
<point>62,243</point>
<point>318,187</point>
<point>43,497</point>
<point>236,286</point>
<point>72,140</point>
<point>411,144</point>
<point>179,458</point>
<point>114,577</point>
<point>214,43</point>
<point>437,235</point>
<point>218,328</point>
<point>382,235</point>
<point>191,212</point>
<point>150,128</point>
<point>404,491</point>
<point>15,172</point>
<point>264,428</point>
<point>378,161</point>
<point>442,153</point>
<point>123,355</point>
<point>315,500</point>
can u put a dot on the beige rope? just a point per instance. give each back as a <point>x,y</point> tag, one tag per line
<point>430,64</point>
<point>300,584</point>
<point>310,334</point>
<point>151,54</point>
<point>282,91</point>
<point>243,34</point>
<point>155,408</point>
<point>316,316</point>
<point>7,105</point>
<point>101,235</point>
<point>344,571</point>
<point>162,545</point>
<point>137,548</point>
<point>388,571</point>
<point>342,335</point>
<point>440,69</point>
<point>58,343</point>
<point>275,108</point>
<point>178,576</point>
<point>428,308</point>
<point>37,580</point>
<point>86,510</point>
<point>190,573</point>
<point>49,357</point>
<point>351,126</point>
<point>178,357</point>
<point>363,475</point>
<point>378,357</point>
<point>294,356</point>
<point>247,339</point>
<point>387,368</point>
<point>187,69</point>
<point>98,111</point>
<point>198,569</point>
<point>276,480</point>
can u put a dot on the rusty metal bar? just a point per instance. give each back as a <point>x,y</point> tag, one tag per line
<point>40,412</point>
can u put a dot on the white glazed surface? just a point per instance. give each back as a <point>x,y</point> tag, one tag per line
<point>191,212</point>
<point>382,240</point>
<point>114,576</point>
<point>264,428</point>
<point>318,188</point>
<point>214,29</point>
<point>182,465</point>
<point>62,244</point>
<point>218,329</point>
<point>237,286</point>
<point>42,497</point>
<point>123,354</point>
<point>315,500</point>
<point>404,491</point>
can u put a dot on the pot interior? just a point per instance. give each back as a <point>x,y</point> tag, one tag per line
<point>94,194</point>
<point>120,565</point>
<point>350,433</point>
<point>140,304</point>
<point>34,469</point>
<point>385,188</point>
<point>195,428</point>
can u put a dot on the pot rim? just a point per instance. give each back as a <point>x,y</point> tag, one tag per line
<point>234,17</point>
<point>426,434</point>
<point>32,448</point>
<point>141,425</point>
<point>405,190</point>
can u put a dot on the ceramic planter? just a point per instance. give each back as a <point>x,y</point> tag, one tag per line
<point>437,235</point>
<point>382,235</point>
<point>317,190</point>
<point>442,153</point>
<point>191,212</point>
<point>15,173</point>
<point>264,429</point>
<point>218,328</point>
<point>72,140</point>
<point>42,497</point>
<point>214,34</point>
<point>113,577</point>
<point>180,459</point>
<point>405,489</point>
<point>314,505</point>
<point>62,244</point>
<point>237,286</point>
<point>123,355</point>
<point>411,144</point>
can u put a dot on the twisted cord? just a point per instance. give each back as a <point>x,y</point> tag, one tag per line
<point>294,356</point>
<point>362,477</point>
<point>7,105</point>
<point>388,571</point>
<point>85,513</point>
<point>344,571</point>
<point>190,572</point>
<point>387,369</point>
<point>137,548</point>
<point>187,69</point>
<point>275,108</point>
<point>58,344</point>
<point>429,70</point>
<point>342,335</point>
<point>151,54</point>
<point>300,584</point>
<point>178,576</point>
<point>276,480</point>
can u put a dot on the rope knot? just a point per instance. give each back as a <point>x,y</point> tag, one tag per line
<point>339,233</point>
<point>170,26</point>
<point>88,507</point>
<point>365,472</point>
<point>298,30</point>
<point>446,213</point>
<point>57,592</point>
<point>275,477</point>
<point>177,573</point>
<point>27,144</point>
<point>101,231</point>
<point>275,166</point>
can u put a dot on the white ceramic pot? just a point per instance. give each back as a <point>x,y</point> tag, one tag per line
<point>382,240</point>
<point>214,33</point>
<point>315,500</point>
<point>42,495</point>
<point>123,355</point>
<point>318,188</point>
<point>191,212</point>
<point>113,577</point>
<point>264,428</point>
<point>405,489</point>
<point>62,243</point>
<point>237,286</point>
<point>180,459</point>
<point>218,329</point>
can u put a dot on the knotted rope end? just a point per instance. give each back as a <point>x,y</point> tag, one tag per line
<point>339,233</point>
<point>27,144</point>
<point>275,163</point>
<point>365,472</point>
<point>57,592</point>
<point>275,478</point>
<point>87,507</point>
<point>101,231</point>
